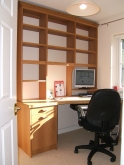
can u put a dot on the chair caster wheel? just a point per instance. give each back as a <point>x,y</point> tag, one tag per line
<point>112,159</point>
<point>89,163</point>
<point>91,142</point>
<point>76,151</point>
<point>111,149</point>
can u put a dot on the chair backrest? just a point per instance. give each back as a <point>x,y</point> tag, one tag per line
<point>104,109</point>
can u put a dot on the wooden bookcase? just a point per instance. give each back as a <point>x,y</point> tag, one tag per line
<point>42,16</point>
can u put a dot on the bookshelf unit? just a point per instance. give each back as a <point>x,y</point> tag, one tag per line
<point>33,52</point>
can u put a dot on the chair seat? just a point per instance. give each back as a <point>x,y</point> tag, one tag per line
<point>86,125</point>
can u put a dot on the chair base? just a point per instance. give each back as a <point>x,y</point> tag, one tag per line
<point>94,146</point>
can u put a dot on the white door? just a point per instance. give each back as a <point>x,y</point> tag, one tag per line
<point>8,46</point>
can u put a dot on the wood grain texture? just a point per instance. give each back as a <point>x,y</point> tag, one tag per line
<point>23,120</point>
<point>44,128</point>
<point>37,128</point>
<point>72,24</point>
<point>38,9</point>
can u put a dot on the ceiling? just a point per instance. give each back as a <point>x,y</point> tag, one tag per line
<point>110,9</point>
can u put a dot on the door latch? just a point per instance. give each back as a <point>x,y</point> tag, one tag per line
<point>16,109</point>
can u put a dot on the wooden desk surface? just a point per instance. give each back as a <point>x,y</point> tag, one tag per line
<point>57,101</point>
<point>73,100</point>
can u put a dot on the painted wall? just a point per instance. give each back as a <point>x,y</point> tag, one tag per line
<point>105,51</point>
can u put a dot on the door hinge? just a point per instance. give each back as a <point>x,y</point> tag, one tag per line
<point>16,109</point>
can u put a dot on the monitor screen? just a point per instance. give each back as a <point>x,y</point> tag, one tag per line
<point>84,78</point>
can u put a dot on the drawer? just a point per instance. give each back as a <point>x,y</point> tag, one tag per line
<point>39,115</point>
<point>36,111</point>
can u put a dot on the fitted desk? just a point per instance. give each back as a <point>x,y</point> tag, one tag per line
<point>38,123</point>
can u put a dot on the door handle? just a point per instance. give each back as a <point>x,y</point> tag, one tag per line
<point>16,109</point>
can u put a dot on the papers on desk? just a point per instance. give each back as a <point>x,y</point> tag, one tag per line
<point>71,98</point>
<point>59,88</point>
<point>58,98</point>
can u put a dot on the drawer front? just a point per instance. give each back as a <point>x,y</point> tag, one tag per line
<point>43,129</point>
<point>40,114</point>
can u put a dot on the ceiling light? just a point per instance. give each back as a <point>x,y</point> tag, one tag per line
<point>83,8</point>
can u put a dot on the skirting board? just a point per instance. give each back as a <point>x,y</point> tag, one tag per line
<point>68,129</point>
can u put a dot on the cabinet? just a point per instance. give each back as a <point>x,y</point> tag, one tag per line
<point>33,51</point>
<point>37,127</point>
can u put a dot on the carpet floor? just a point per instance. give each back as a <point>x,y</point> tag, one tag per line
<point>65,155</point>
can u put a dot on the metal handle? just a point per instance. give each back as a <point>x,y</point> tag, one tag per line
<point>16,109</point>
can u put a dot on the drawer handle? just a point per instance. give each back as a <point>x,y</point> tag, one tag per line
<point>47,110</point>
<point>41,118</point>
<point>40,111</point>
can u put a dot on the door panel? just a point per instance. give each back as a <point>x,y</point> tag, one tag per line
<point>6,56</point>
<point>7,143</point>
<point>8,46</point>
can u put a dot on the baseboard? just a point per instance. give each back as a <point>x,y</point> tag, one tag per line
<point>68,129</point>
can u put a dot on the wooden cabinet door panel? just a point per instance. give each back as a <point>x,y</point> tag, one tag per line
<point>43,129</point>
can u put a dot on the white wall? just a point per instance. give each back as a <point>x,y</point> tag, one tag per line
<point>105,36</point>
<point>67,119</point>
<point>105,55</point>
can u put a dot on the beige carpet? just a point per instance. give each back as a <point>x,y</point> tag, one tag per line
<point>65,154</point>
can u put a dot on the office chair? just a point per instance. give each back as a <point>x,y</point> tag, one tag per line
<point>102,116</point>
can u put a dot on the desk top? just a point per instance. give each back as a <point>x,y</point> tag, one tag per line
<point>73,100</point>
<point>57,101</point>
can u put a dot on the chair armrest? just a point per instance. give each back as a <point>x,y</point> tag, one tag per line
<point>82,110</point>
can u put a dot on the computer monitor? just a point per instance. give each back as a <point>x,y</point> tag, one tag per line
<point>84,78</point>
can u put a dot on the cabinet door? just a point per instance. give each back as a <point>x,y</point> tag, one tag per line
<point>43,129</point>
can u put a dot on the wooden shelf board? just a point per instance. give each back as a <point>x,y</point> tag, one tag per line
<point>60,63</point>
<point>34,80</point>
<point>33,28</point>
<point>33,62</point>
<point>85,27</point>
<point>85,51</point>
<point>60,48</point>
<point>86,65</point>
<point>88,89</point>
<point>85,38</point>
<point>60,33</point>
<point>29,44</point>
<point>30,99</point>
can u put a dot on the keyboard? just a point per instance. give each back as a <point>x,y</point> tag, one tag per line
<point>85,95</point>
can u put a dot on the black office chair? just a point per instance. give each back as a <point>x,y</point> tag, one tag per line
<point>102,116</point>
